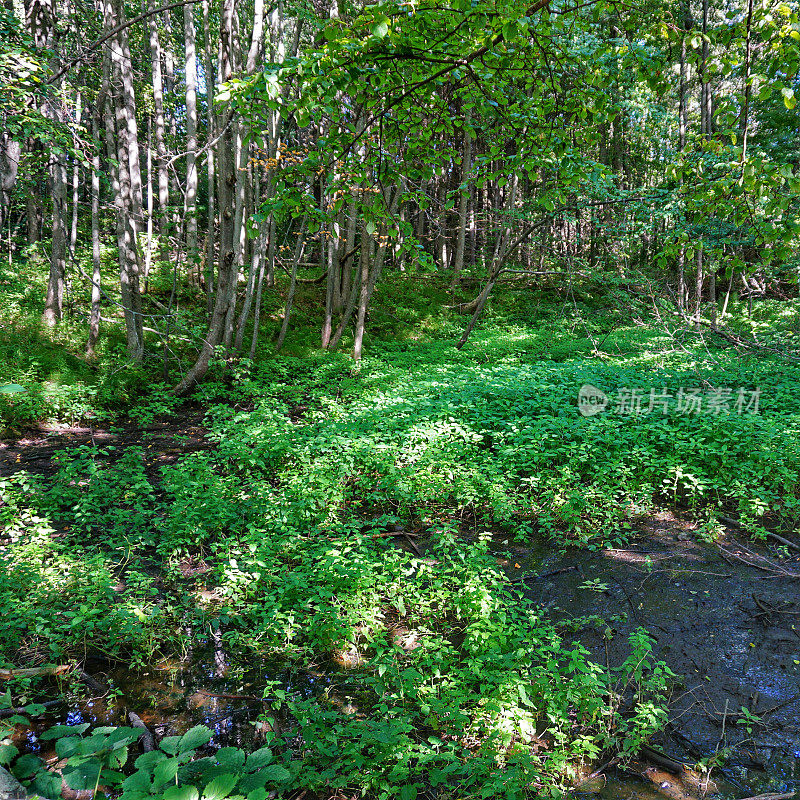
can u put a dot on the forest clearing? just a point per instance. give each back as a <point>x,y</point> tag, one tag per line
<point>399,400</point>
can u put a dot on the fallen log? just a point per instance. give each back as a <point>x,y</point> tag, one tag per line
<point>662,760</point>
<point>784,796</point>
<point>10,787</point>
<point>10,712</point>
<point>146,737</point>
<point>34,672</point>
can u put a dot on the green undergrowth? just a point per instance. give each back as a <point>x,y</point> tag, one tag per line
<point>478,696</point>
<point>466,690</point>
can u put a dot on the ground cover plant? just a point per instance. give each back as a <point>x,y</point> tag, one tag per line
<point>464,687</point>
<point>390,392</point>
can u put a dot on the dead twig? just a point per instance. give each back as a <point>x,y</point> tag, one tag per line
<point>777,537</point>
<point>746,556</point>
<point>10,712</point>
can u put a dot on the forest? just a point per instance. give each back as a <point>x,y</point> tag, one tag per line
<point>399,399</point>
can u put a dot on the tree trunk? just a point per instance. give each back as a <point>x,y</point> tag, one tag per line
<point>120,131</point>
<point>94,315</point>
<point>463,207</point>
<point>208,67</point>
<point>227,270</point>
<point>363,295</point>
<point>158,108</point>
<point>33,213</point>
<point>191,138</point>
<point>76,174</point>
<point>10,152</point>
<point>55,285</point>
<point>298,255</point>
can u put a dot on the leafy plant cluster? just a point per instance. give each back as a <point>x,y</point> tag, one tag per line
<point>104,760</point>
<point>463,687</point>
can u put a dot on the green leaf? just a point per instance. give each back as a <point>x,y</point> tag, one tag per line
<point>8,753</point>
<point>220,787</point>
<point>46,784</point>
<point>57,731</point>
<point>230,758</point>
<point>259,759</point>
<point>11,388</point>
<point>138,782</point>
<point>83,776</point>
<point>408,792</point>
<point>181,793</point>
<point>171,744</point>
<point>380,27</point>
<point>149,760</point>
<point>26,765</point>
<point>194,738</point>
<point>276,773</point>
<point>165,771</point>
<point>67,746</point>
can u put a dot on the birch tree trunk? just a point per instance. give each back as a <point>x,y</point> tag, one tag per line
<point>54,301</point>
<point>208,68</point>
<point>191,137</point>
<point>94,314</point>
<point>160,133</point>
<point>463,207</point>
<point>227,270</point>
<point>76,175</point>
<point>119,131</point>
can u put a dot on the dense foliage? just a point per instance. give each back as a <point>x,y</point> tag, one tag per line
<point>375,250</point>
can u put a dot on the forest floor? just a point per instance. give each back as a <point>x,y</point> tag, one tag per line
<point>724,616</point>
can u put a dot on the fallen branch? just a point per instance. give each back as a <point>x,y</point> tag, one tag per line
<point>33,672</point>
<point>10,787</point>
<point>10,712</point>
<point>662,760</point>
<point>544,575</point>
<point>602,768</point>
<point>784,796</point>
<point>757,562</point>
<point>93,684</point>
<point>735,524</point>
<point>146,738</point>
<point>738,341</point>
<point>226,696</point>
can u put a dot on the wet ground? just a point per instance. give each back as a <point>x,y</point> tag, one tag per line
<point>724,616</point>
<point>167,440</point>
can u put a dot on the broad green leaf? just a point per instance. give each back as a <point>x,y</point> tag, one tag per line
<point>259,759</point>
<point>57,731</point>
<point>84,775</point>
<point>276,773</point>
<point>194,738</point>
<point>230,758</point>
<point>220,787</point>
<point>181,793</point>
<point>8,753</point>
<point>165,771</point>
